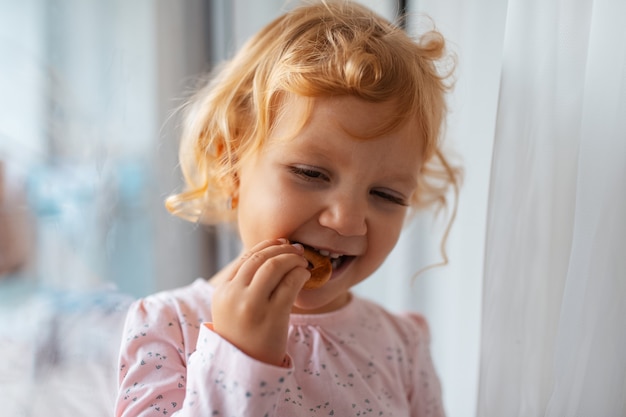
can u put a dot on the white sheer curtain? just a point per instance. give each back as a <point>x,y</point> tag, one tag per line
<point>554,317</point>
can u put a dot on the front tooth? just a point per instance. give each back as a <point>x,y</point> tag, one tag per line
<point>324,252</point>
<point>335,255</point>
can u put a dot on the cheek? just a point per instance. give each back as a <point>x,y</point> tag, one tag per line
<point>264,214</point>
<point>384,238</point>
<point>255,224</point>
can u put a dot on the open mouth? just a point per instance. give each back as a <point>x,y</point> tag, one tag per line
<point>337,260</point>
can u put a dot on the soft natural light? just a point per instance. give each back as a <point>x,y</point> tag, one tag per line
<point>526,318</point>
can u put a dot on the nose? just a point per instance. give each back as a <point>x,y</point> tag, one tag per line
<point>346,214</point>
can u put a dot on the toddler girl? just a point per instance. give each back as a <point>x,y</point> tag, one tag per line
<point>322,132</point>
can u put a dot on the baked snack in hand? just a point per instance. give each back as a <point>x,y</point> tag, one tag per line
<point>320,267</point>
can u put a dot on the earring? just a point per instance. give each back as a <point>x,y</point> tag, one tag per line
<point>232,203</point>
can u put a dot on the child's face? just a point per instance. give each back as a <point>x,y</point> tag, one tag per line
<point>332,190</point>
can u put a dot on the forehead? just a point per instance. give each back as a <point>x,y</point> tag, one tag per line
<point>356,117</point>
<point>347,130</point>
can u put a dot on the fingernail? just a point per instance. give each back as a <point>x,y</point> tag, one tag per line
<point>297,246</point>
<point>283,240</point>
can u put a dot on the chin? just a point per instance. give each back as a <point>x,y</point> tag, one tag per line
<point>308,302</point>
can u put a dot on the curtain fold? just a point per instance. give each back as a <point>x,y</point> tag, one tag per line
<point>554,321</point>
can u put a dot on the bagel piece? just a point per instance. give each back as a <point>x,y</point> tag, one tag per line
<point>320,267</point>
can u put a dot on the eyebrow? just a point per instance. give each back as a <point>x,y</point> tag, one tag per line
<point>408,181</point>
<point>402,179</point>
<point>315,150</point>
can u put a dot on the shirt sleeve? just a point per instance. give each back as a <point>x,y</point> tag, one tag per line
<point>152,369</point>
<point>425,396</point>
<point>224,381</point>
<point>156,378</point>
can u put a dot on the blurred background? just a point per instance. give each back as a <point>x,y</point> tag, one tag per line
<point>88,152</point>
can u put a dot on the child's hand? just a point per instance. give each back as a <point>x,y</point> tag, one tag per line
<point>251,308</point>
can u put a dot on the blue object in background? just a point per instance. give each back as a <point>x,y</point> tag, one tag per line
<point>94,228</point>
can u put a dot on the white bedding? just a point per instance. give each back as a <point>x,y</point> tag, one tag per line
<point>58,352</point>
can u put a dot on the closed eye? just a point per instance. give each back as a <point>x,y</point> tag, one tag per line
<point>308,174</point>
<point>392,198</point>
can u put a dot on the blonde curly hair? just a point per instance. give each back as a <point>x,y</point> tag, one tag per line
<point>324,49</point>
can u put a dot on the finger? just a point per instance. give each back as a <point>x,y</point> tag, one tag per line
<point>268,264</point>
<point>256,248</point>
<point>273,272</point>
<point>287,290</point>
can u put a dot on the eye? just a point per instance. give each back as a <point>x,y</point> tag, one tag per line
<point>308,173</point>
<point>389,197</point>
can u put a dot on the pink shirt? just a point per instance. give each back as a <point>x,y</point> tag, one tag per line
<point>360,360</point>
